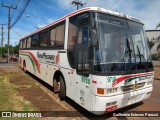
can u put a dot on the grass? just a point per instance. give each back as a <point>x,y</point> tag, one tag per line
<point>10,101</point>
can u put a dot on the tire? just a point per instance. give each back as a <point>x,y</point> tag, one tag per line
<point>56,86</point>
<point>62,93</point>
<point>24,67</point>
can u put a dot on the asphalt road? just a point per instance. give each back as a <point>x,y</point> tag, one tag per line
<point>151,104</point>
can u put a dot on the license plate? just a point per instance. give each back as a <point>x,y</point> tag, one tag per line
<point>133,97</point>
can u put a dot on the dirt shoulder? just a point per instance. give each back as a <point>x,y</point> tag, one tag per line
<point>29,89</point>
<point>23,93</point>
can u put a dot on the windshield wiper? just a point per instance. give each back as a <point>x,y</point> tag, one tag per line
<point>127,52</point>
<point>140,58</point>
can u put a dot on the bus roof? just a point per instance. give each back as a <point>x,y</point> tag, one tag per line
<point>98,9</point>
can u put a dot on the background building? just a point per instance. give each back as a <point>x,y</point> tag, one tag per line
<point>154,39</point>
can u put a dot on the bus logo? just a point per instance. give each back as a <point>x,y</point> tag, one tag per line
<point>135,86</point>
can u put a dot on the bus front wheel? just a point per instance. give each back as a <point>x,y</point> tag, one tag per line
<point>62,93</point>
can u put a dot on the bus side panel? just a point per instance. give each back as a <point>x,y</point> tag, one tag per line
<point>67,71</point>
<point>69,77</point>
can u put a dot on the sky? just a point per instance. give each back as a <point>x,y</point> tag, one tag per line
<point>42,12</point>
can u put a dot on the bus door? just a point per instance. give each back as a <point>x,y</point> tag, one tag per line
<point>82,85</point>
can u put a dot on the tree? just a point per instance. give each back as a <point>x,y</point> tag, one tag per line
<point>151,43</point>
<point>14,50</point>
<point>3,51</point>
<point>158,54</point>
<point>158,40</point>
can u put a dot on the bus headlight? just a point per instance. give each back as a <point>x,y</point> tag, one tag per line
<point>111,90</point>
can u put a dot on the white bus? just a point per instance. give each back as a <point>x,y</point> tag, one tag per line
<point>98,58</point>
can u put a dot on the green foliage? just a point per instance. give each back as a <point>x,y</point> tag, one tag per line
<point>3,51</point>
<point>158,47</point>
<point>158,54</point>
<point>13,50</point>
<point>151,44</point>
<point>154,57</point>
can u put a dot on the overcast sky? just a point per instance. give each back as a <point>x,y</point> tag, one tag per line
<point>42,12</point>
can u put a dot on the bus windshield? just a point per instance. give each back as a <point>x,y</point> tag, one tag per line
<point>121,45</point>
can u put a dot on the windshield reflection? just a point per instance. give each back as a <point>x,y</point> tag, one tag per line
<point>121,45</point>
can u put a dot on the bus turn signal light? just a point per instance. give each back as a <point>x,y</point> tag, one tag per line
<point>100,91</point>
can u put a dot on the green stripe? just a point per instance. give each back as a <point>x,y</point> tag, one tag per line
<point>33,64</point>
<point>130,79</point>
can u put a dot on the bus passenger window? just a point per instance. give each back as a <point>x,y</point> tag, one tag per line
<point>52,37</point>
<point>21,44</point>
<point>34,41</point>
<point>28,42</point>
<point>59,36</point>
<point>24,43</point>
<point>43,39</point>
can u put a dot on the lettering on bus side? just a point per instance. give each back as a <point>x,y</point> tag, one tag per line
<point>111,79</point>
<point>47,58</point>
<point>85,80</point>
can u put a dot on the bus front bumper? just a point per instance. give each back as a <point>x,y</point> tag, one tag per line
<point>102,105</point>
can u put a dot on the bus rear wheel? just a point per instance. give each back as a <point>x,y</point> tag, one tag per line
<point>24,67</point>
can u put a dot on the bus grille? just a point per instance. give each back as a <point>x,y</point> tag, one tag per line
<point>131,87</point>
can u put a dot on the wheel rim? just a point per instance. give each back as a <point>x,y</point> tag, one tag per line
<point>56,86</point>
<point>24,67</point>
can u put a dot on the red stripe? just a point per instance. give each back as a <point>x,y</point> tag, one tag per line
<point>69,15</point>
<point>34,59</point>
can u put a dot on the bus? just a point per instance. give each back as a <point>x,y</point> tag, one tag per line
<point>97,57</point>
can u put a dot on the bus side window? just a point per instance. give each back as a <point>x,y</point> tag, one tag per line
<point>43,39</point>
<point>83,35</point>
<point>34,41</point>
<point>28,42</point>
<point>83,38</point>
<point>72,40</point>
<point>52,37</point>
<point>21,44</point>
<point>57,36</point>
<point>60,36</point>
<point>24,43</point>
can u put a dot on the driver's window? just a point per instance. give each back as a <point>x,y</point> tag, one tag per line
<point>83,39</point>
<point>83,35</point>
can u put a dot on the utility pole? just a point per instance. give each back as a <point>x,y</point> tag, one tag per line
<point>9,22</point>
<point>77,3</point>
<point>2,40</point>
